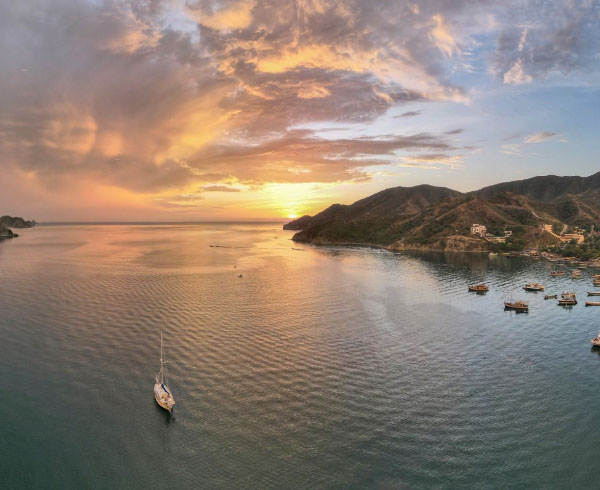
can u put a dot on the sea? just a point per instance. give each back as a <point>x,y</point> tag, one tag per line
<point>292,366</point>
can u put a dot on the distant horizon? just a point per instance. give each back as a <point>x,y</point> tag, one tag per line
<point>252,220</point>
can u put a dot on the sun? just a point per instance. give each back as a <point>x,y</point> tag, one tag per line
<point>292,216</point>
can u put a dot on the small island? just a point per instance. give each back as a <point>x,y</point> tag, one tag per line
<point>549,213</point>
<point>8,222</point>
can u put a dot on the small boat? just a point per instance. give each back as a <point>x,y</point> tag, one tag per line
<point>516,305</point>
<point>593,293</point>
<point>533,286</point>
<point>567,302</point>
<point>592,303</point>
<point>551,296</point>
<point>162,394</point>
<point>557,273</point>
<point>596,276</point>
<point>576,273</point>
<point>493,254</point>
<point>582,266</point>
<point>596,341</point>
<point>479,288</point>
<point>568,295</point>
<point>596,282</point>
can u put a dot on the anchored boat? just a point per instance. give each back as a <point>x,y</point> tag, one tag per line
<point>516,305</point>
<point>557,273</point>
<point>533,286</point>
<point>162,393</point>
<point>567,299</point>
<point>479,288</point>
<point>593,293</point>
<point>592,303</point>
<point>596,341</point>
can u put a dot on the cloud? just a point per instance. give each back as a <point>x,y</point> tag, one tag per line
<point>544,136</point>
<point>410,114</point>
<point>121,94</point>
<point>432,160</point>
<point>219,188</point>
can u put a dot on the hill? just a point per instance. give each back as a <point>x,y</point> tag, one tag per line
<point>438,218</point>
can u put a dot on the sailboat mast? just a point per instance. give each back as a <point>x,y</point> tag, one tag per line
<point>162,377</point>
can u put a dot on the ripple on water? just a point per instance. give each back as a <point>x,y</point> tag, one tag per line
<point>326,368</point>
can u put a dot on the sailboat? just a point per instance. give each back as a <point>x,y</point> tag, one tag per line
<point>162,393</point>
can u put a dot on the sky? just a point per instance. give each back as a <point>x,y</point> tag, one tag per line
<point>220,110</point>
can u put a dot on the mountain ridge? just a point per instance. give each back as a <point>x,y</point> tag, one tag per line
<point>439,218</point>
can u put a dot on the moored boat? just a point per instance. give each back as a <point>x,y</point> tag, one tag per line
<point>557,273</point>
<point>479,288</point>
<point>162,394</point>
<point>596,341</point>
<point>551,296</point>
<point>567,298</point>
<point>516,305</point>
<point>576,273</point>
<point>592,303</point>
<point>533,286</point>
<point>593,293</point>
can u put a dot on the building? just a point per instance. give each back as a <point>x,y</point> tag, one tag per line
<point>495,239</point>
<point>477,229</point>
<point>567,237</point>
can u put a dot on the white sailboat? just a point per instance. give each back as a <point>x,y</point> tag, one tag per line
<point>162,393</point>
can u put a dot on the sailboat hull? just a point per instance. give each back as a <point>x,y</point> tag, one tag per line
<point>163,398</point>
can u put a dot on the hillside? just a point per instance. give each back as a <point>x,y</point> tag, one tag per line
<point>427,217</point>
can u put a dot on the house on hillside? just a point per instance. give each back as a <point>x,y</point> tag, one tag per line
<point>477,229</point>
<point>567,237</point>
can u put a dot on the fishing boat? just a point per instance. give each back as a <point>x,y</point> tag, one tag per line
<point>596,341</point>
<point>557,273</point>
<point>162,393</point>
<point>593,293</point>
<point>592,303</point>
<point>479,288</point>
<point>533,286</point>
<point>516,305</point>
<point>550,296</point>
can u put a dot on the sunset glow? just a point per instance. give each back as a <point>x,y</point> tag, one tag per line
<point>255,109</point>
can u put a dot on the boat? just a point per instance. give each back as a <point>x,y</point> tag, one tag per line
<point>593,293</point>
<point>533,286</point>
<point>596,276</point>
<point>576,273</point>
<point>582,266</point>
<point>596,341</point>
<point>162,393</point>
<point>493,254</point>
<point>592,303</point>
<point>567,302</point>
<point>596,282</point>
<point>567,298</point>
<point>516,305</point>
<point>551,296</point>
<point>479,288</point>
<point>557,273</point>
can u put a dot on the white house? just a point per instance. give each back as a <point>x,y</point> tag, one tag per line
<point>477,229</point>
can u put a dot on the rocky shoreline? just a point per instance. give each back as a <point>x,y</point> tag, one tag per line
<point>8,222</point>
